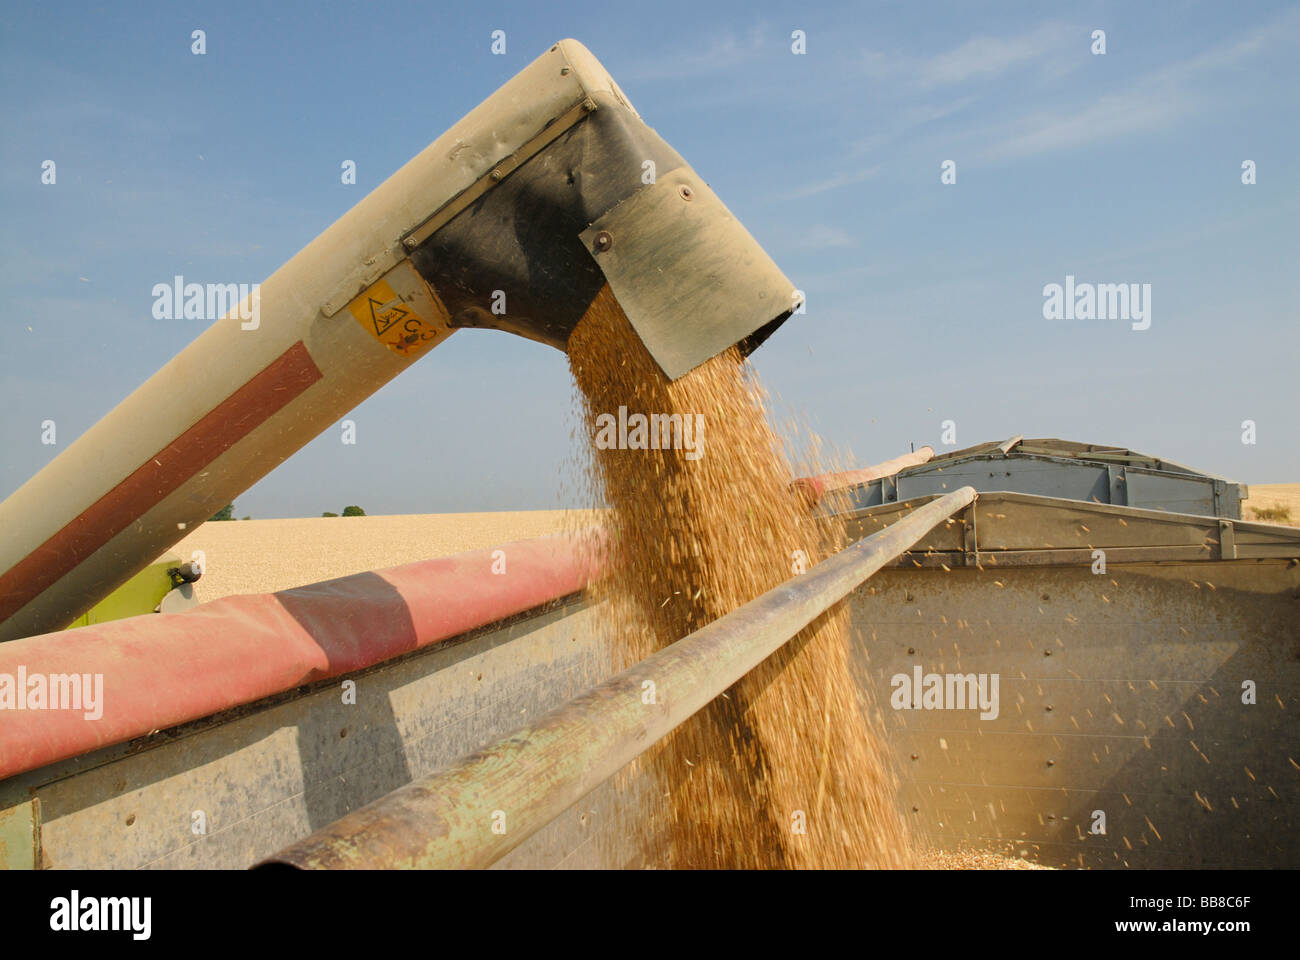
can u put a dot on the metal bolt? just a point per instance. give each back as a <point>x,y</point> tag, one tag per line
<point>496,174</point>
<point>1051,763</point>
<point>603,241</point>
<point>686,192</point>
<point>1048,708</point>
<point>1047,653</point>
<point>409,243</point>
<point>564,71</point>
<point>915,756</point>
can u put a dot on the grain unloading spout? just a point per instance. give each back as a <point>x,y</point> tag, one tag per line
<point>598,197</point>
<point>514,219</point>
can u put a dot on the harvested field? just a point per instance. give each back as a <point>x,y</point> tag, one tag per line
<point>1264,496</point>
<point>262,556</point>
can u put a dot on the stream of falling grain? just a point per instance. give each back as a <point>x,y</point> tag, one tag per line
<point>786,769</point>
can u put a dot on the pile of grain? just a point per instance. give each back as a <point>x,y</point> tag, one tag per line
<point>973,860</point>
<point>786,768</point>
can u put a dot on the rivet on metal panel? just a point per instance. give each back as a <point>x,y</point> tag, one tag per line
<point>686,192</point>
<point>603,241</point>
<point>496,174</point>
<point>589,105</point>
<point>564,71</point>
<point>1051,763</point>
<point>410,243</point>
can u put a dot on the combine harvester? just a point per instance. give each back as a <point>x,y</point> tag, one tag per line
<point>436,714</point>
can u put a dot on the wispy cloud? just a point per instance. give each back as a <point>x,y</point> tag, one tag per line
<point>907,119</point>
<point>1154,101</point>
<point>832,183</point>
<point>979,58</point>
<point>1109,118</point>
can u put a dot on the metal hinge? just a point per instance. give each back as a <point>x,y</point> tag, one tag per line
<point>1227,541</point>
<point>969,540</point>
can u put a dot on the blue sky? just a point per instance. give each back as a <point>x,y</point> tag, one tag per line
<point>925,300</point>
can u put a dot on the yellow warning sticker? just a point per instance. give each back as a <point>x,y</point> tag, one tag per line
<point>392,321</point>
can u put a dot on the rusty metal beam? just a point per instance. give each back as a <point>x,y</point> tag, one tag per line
<point>482,807</point>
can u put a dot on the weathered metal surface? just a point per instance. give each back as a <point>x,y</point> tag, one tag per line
<point>500,170</point>
<point>1073,449</point>
<point>1064,470</point>
<point>573,211</point>
<point>231,790</point>
<point>475,812</point>
<point>158,672</point>
<point>350,311</point>
<point>687,273</point>
<point>1163,695</point>
<point>1020,529</point>
<point>1171,637</point>
<point>20,835</point>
